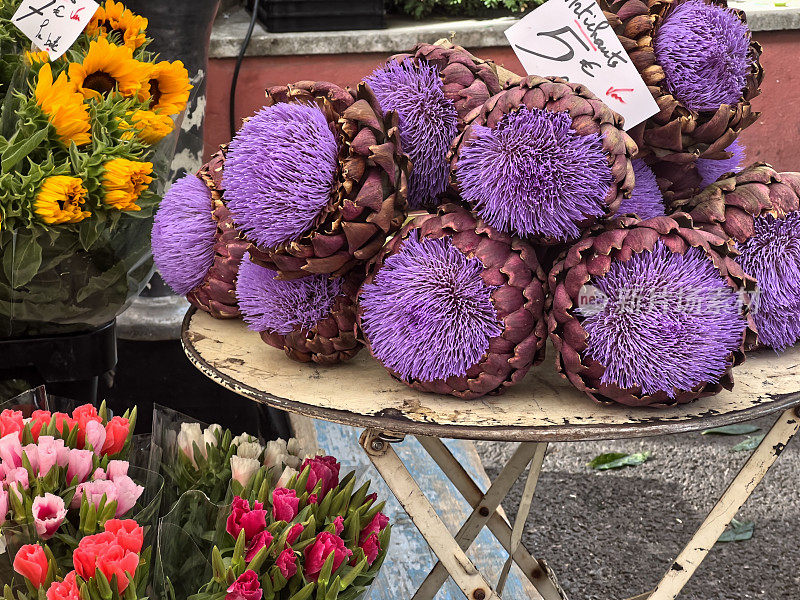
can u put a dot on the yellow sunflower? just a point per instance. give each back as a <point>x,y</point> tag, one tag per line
<point>150,127</point>
<point>113,16</point>
<point>59,200</point>
<point>124,181</point>
<point>107,67</point>
<point>168,87</point>
<point>34,58</point>
<point>63,106</point>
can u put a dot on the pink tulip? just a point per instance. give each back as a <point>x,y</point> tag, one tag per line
<point>116,468</point>
<point>94,491</point>
<point>99,474</point>
<point>10,452</point>
<point>79,465</point>
<point>127,494</point>
<point>49,513</point>
<point>96,436</point>
<point>3,505</point>
<point>47,451</point>
<point>32,452</point>
<point>16,479</point>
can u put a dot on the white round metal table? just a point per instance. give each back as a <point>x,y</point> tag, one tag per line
<point>543,408</point>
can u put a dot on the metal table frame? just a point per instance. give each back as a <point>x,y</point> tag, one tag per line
<point>385,427</point>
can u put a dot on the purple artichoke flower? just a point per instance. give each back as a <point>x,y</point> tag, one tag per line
<point>183,234</point>
<point>710,170</point>
<point>280,172</point>
<point>428,314</point>
<point>532,174</point>
<point>646,200</point>
<point>669,322</point>
<point>704,51</point>
<point>276,306</point>
<point>772,256</point>
<point>428,123</point>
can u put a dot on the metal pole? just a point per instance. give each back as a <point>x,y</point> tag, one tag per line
<point>535,570</point>
<point>430,525</point>
<point>481,513</point>
<point>728,505</point>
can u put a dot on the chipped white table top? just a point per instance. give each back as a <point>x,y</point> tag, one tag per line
<point>544,407</point>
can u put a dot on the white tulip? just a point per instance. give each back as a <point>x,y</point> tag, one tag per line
<point>287,474</point>
<point>275,453</point>
<point>250,450</point>
<point>243,469</point>
<point>210,436</point>
<point>190,434</point>
<point>243,439</point>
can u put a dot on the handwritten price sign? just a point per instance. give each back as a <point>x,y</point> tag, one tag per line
<point>54,25</point>
<point>572,39</point>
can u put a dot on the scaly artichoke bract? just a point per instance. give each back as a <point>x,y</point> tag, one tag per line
<point>195,244</point>
<point>468,80</point>
<point>649,312</point>
<point>367,201</point>
<point>758,210</point>
<point>453,306</point>
<point>672,140</point>
<point>543,159</point>
<point>216,294</point>
<point>312,318</point>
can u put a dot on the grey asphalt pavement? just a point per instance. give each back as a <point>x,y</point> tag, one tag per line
<point>611,535</point>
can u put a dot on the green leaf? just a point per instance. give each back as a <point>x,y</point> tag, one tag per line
<point>89,232</point>
<point>751,443</point>
<point>738,531</point>
<point>304,593</point>
<point>737,429</point>
<point>21,262</point>
<point>617,460</point>
<point>14,154</point>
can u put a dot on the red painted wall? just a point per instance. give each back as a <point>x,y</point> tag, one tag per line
<point>774,138</point>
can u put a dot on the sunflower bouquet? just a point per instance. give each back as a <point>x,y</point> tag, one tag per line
<point>86,141</point>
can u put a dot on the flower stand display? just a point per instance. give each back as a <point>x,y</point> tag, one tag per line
<point>543,408</point>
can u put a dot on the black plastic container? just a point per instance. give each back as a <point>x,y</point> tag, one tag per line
<point>70,365</point>
<point>281,16</point>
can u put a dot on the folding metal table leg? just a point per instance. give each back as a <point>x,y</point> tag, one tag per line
<point>480,514</point>
<point>537,571</point>
<point>728,505</point>
<point>523,512</point>
<point>422,513</point>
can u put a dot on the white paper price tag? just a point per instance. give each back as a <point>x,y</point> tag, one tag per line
<point>54,25</point>
<point>574,40</point>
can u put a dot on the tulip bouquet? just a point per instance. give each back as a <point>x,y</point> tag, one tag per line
<point>194,457</point>
<point>313,535</point>
<point>64,477</point>
<point>111,565</point>
<point>83,166</point>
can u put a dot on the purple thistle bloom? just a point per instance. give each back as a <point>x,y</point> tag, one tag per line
<point>268,304</point>
<point>428,314</point>
<point>669,322</point>
<point>646,200</point>
<point>772,257</point>
<point>711,170</point>
<point>280,172</point>
<point>703,49</point>
<point>428,123</point>
<point>183,235</point>
<point>534,175</point>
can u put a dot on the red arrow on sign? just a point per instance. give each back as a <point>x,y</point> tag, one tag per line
<point>613,92</point>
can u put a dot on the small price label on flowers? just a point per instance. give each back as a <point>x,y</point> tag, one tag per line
<point>54,25</point>
<point>574,40</point>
